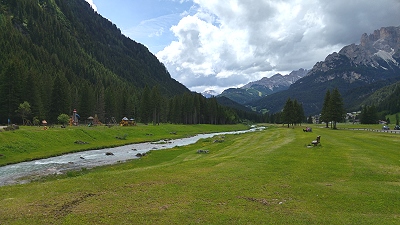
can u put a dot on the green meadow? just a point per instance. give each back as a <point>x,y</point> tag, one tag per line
<point>265,177</point>
<point>30,143</point>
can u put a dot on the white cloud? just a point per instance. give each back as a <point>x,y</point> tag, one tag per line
<point>153,32</point>
<point>230,43</point>
<point>92,4</point>
<point>150,28</point>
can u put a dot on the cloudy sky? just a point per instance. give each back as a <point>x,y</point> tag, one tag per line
<point>217,44</point>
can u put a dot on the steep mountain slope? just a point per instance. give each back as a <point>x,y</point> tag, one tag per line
<point>386,99</point>
<point>356,70</point>
<point>59,55</point>
<point>242,111</point>
<point>266,86</point>
<point>232,104</point>
<point>129,59</point>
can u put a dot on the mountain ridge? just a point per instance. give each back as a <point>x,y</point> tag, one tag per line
<point>278,79</point>
<point>265,86</point>
<point>356,70</point>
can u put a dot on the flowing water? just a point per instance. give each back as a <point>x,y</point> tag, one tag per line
<point>24,172</point>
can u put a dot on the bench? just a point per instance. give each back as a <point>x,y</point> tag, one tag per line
<point>202,151</point>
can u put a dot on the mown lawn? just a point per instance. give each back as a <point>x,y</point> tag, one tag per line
<point>268,177</point>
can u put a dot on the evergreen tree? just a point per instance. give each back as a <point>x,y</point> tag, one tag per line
<point>188,104</point>
<point>369,115</point>
<point>111,104</point>
<point>292,113</point>
<point>337,110</point>
<point>10,90</point>
<point>288,113</point>
<point>155,99</point>
<point>310,120</point>
<point>364,115</point>
<point>212,110</point>
<point>299,112</point>
<point>33,94</point>
<point>175,112</point>
<point>61,97</point>
<point>100,110</point>
<point>326,113</point>
<point>145,106</point>
<point>87,101</point>
<point>196,109</point>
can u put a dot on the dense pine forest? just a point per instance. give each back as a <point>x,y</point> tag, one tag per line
<point>61,55</point>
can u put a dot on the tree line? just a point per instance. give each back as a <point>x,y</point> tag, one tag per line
<point>148,106</point>
<point>293,112</point>
<point>188,108</point>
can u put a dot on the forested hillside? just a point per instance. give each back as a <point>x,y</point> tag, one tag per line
<point>61,55</point>
<point>386,99</point>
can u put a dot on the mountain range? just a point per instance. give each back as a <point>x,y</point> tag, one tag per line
<point>266,86</point>
<point>357,70</point>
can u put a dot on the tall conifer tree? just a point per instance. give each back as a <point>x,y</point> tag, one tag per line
<point>325,113</point>
<point>336,107</point>
<point>288,112</point>
<point>145,106</point>
<point>61,97</point>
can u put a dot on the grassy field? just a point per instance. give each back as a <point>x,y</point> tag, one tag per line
<point>267,177</point>
<point>29,143</point>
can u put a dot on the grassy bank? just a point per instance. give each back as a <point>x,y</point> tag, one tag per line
<point>29,143</point>
<point>268,177</point>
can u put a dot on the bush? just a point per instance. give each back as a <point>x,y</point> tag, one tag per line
<point>63,119</point>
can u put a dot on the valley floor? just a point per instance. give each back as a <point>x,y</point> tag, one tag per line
<point>267,177</point>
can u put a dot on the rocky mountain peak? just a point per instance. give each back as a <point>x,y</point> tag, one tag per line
<point>386,38</point>
<point>357,70</point>
<point>278,80</point>
<point>380,50</point>
<point>266,86</point>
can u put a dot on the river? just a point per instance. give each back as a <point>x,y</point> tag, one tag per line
<point>24,172</point>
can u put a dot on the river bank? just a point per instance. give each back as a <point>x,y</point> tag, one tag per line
<point>24,172</point>
<point>31,143</point>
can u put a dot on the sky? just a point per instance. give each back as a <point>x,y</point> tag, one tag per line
<point>219,44</point>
